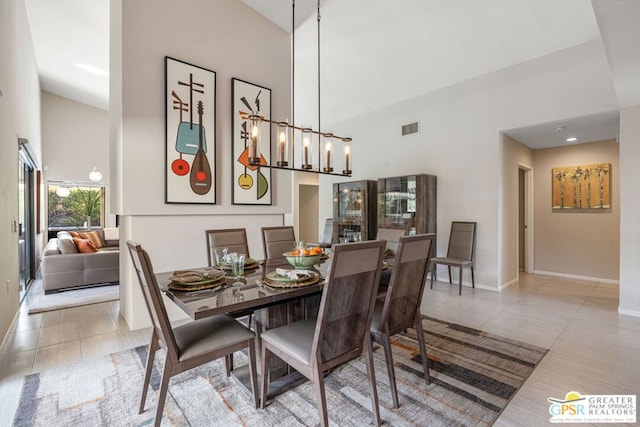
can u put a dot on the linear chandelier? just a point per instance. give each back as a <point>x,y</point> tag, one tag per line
<point>289,135</point>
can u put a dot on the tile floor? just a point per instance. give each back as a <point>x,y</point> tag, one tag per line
<point>593,349</point>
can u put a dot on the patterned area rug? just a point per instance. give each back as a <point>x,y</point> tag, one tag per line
<point>474,375</point>
<point>38,302</point>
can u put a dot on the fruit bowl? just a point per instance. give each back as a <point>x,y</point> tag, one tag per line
<point>302,261</point>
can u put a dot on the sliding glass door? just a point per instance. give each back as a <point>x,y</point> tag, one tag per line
<point>26,215</point>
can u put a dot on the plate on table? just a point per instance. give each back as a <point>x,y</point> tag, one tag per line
<point>249,264</point>
<point>187,277</point>
<point>302,278</point>
<point>207,283</point>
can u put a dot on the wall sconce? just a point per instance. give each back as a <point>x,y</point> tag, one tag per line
<point>95,175</point>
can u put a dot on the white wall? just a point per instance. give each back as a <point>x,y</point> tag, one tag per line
<point>460,143</point>
<point>19,117</point>
<point>224,36</point>
<point>75,140</point>
<point>630,211</point>
<point>581,243</point>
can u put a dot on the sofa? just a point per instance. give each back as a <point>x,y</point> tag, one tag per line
<point>81,259</point>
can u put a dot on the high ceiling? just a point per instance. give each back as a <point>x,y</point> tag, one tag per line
<point>374,52</point>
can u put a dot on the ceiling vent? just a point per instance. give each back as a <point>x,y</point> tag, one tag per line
<point>410,128</point>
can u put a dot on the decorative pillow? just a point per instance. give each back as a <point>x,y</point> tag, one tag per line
<point>94,237</point>
<point>67,245</point>
<point>74,234</point>
<point>84,245</point>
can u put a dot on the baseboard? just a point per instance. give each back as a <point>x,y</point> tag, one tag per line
<point>509,283</point>
<point>633,313</point>
<point>575,276</point>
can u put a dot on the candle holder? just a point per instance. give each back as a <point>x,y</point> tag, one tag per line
<point>328,143</point>
<point>306,148</point>
<point>283,144</point>
<point>347,157</point>
<point>254,140</point>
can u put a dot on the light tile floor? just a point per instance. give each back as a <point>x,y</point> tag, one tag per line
<point>593,349</point>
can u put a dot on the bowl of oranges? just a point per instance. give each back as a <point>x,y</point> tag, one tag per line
<point>304,257</point>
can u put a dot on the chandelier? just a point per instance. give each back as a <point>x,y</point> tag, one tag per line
<point>299,148</point>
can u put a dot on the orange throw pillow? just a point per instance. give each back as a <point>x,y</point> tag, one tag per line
<point>74,234</point>
<point>94,237</point>
<point>84,245</point>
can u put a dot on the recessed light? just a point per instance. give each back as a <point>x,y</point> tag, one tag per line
<point>93,70</point>
<point>572,139</point>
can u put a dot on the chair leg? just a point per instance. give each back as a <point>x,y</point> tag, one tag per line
<point>449,267</point>
<point>423,348</point>
<point>265,375</point>
<point>433,273</point>
<point>473,282</point>
<point>153,347</point>
<point>460,284</point>
<point>368,357</point>
<point>228,364</point>
<point>318,385</point>
<point>252,370</point>
<point>392,375</point>
<point>164,387</point>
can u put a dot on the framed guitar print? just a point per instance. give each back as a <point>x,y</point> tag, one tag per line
<point>251,183</point>
<point>190,133</point>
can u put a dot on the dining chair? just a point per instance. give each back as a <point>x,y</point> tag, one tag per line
<point>327,235</point>
<point>341,331</point>
<point>392,236</point>
<point>276,241</point>
<point>400,308</point>
<point>461,251</point>
<point>233,238</point>
<point>189,345</point>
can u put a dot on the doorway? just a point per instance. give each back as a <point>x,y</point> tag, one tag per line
<point>308,213</point>
<point>525,219</point>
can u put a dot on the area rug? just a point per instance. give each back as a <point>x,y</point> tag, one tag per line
<point>474,375</point>
<point>38,302</point>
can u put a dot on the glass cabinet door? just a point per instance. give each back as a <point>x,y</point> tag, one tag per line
<point>397,201</point>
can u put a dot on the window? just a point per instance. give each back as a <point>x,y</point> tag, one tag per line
<point>75,205</point>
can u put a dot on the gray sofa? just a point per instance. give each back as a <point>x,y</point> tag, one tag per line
<point>64,267</point>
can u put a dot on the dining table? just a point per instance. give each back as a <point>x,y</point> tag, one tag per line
<point>268,306</point>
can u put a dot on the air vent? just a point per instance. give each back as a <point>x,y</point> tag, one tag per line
<point>410,128</point>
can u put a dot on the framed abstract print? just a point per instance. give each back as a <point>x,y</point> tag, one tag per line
<point>190,133</point>
<point>251,183</point>
<point>581,187</point>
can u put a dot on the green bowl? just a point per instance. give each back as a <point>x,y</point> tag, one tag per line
<point>302,261</point>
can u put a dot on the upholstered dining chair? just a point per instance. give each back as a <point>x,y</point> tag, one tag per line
<point>233,238</point>
<point>341,331</point>
<point>400,308</point>
<point>189,345</point>
<point>461,251</point>
<point>276,241</point>
<point>327,235</point>
<point>392,236</point>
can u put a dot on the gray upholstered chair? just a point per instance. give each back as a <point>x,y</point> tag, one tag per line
<point>400,308</point>
<point>461,251</point>
<point>233,238</point>
<point>341,331</point>
<point>276,241</point>
<point>189,345</point>
<point>327,235</point>
<point>392,236</point>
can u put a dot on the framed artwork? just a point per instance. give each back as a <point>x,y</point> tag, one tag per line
<point>190,133</point>
<point>582,187</point>
<point>251,185</point>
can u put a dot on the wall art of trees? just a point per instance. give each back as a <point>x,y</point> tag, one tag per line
<point>581,187</point>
